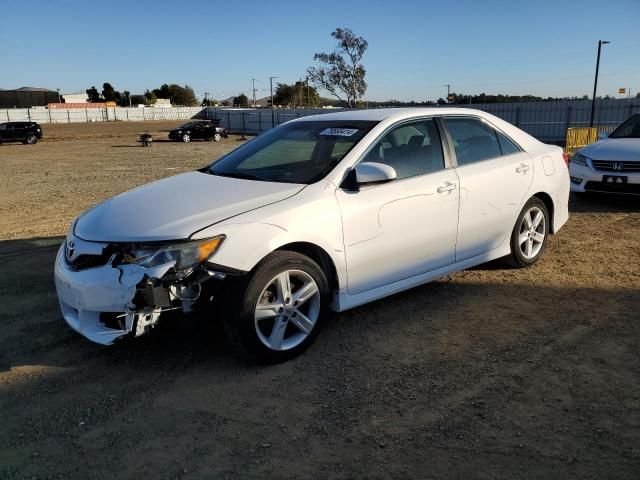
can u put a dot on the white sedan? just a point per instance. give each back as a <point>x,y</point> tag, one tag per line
<point>611,165</point>
<point>323,213</point>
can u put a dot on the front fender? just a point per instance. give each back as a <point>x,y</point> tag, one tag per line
<point>248,243</point>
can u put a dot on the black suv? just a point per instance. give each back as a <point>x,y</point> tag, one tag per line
<point>198,129</point>
<point>25,132</point>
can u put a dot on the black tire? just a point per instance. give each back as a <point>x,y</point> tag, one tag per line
<point>186,137</point>
<point>30,140</point>
<point>517,258</point>
<point>239,316</point>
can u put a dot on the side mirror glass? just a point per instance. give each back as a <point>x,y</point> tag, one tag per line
<point>373,172</point>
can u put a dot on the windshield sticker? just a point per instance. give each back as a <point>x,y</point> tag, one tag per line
<point>339,132</point>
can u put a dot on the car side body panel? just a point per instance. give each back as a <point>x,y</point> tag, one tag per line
<point>315,216</point>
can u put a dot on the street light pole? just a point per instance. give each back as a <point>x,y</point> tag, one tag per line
<point>253,89</point>
<point>448,91</point>
<point>59,101</point>
<point>273,115</point>
<point>595,81</point>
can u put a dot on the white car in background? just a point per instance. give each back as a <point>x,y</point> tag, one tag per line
<point>610,165</point>
<point>323,213</point>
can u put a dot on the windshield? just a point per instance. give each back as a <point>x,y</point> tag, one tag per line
<point>629,129</point>
<point>296,152</point>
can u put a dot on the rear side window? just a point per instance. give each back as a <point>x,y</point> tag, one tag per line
<point>506,145</point>
<point>473,140</point>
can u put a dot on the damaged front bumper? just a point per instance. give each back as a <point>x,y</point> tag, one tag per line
<point>107,302</point>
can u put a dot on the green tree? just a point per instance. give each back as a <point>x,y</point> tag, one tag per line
<point>110,94</point>
<point>341,72</point>
<point>241,101</point>
<point>93,95</point>
<point>177,94</point>
<point>125,99</point>
<point>150,97</point>
<point>138,100</point>
<point>297,94</point>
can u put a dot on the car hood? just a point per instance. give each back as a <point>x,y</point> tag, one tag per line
<point>176,207</point>
<point>620,149</point>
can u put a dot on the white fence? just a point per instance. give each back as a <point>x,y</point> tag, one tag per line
<point>80,115</point>
<point>547,121</point>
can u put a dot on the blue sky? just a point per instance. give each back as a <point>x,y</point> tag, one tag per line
<point>537,47</point>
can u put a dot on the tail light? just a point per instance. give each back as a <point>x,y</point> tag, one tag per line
<point>565,157</point>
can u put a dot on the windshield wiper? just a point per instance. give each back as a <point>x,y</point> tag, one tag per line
<point>243,176</point>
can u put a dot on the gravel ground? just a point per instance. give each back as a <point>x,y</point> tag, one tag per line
<point>488,373</point>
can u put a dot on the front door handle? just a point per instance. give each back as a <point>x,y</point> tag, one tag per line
<point>447,187</point>
<point>524,168</point>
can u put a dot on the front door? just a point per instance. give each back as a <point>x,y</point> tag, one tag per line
<point>405,227</point>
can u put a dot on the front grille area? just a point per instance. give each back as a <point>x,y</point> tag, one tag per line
<point>83,262</point>
<point>615,166</point>
<point>633,188</point>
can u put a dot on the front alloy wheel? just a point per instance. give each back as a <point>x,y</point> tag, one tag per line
<point>287,310</point>
<point>281,309</point>
<point>217,137</point>
<point>186,138</point>
<point>31,140</point>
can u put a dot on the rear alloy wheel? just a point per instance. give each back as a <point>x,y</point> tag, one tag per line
<point>529,235</point>
<point>31,140</point>
<point>186,138</point>
<point>217,137</point>
<point>281,310</point>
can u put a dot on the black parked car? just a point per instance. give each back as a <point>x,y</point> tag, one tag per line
<point>25,132</point>
<point>198,129</point>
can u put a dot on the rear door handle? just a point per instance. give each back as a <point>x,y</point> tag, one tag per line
<point>524,168</point>
<point>447,188</point>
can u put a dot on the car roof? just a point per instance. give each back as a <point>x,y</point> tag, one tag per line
<point>379,114</point>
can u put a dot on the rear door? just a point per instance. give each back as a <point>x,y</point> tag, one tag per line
<point>495,175</point>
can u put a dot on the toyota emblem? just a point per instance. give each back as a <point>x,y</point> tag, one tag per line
<point>70,249</point>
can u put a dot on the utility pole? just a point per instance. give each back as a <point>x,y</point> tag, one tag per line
<point>59,101</point>
<point>253,89</point>
<point>448,91</point>
<point>206,95</point>
<point>595,82</point>
<point>308,101</point>
<point>273,115</point>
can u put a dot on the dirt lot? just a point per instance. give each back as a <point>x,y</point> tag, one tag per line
<point>490,373</point>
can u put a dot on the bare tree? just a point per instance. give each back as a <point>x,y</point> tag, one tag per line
<point>341,73</point>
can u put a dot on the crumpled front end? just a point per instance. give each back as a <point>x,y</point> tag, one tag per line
<point>104,299</point>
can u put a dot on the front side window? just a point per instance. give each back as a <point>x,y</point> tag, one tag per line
<point>411,149</point>
<point>296,152</point>
<point>473,140</point>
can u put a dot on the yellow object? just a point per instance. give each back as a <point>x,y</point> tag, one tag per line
<point>206,249</point>
<point>580,137</point>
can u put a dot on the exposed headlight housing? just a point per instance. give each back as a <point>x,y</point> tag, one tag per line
<point>187,255</point>
<point>579,159</point>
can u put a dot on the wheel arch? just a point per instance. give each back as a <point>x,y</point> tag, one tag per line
<point>548,202</point>
<point>318,255</point>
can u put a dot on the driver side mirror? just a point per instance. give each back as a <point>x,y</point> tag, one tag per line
<point>373,172</point>
<point>368,172</point>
